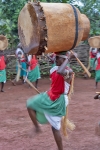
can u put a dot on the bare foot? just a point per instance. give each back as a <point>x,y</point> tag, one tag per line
<point>96,97</point>
<point>13,83</point>
<point>33,132</point>
<point>38,130</point>
<point>2,90</point>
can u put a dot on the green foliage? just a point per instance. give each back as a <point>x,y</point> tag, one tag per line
<point>77,69</point>
<point>92,10</point>
<point>9,11</point>
<point>93,75</point>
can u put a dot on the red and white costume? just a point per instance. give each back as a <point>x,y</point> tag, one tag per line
<point>98,61</point>
<point>2,63</point>
<point>55,92</point>
<point>93,52</point>
<point>33,62</point>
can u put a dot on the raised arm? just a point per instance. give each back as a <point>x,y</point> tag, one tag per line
<point>61,69</point>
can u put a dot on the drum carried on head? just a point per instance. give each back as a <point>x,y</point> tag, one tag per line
<point>51,27</point>
<point>3,42</point>
<point>94,41</point>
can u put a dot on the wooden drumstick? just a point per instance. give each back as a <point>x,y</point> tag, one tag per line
<point>97,92</point>
<point>10,55</point>
<point>32,86</point>
<point>26,80</point>
<point>85,69</point>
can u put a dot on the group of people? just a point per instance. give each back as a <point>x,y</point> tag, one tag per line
<point>49,106</point>
<point>95,63</point>
<point>29,67</point>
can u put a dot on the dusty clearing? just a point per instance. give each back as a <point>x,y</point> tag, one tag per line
<point>15,122</point>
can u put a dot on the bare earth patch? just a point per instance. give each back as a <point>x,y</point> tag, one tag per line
<point>15,123</point>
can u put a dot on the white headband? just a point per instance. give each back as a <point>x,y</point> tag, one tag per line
<point>63,56</point>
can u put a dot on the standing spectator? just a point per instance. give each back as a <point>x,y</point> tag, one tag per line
<point>3,61</point>
<point>34,71</point>
<point>97,72</point>
<point>21,59</point>
<point>93,52</point>
<point>2,70</point>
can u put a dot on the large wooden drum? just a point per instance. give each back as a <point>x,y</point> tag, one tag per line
<point>51,27</point>
<point>3,42</point>
<point>86,26</point>
<point>94,41</point>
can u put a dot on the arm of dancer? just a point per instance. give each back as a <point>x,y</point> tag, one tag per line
<point>52,58</point>
<point>62,69</point>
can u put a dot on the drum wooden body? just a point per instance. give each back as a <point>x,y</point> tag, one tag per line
<point>3,42</point>
<point>86,26</point>
<point>50,27</point>
<point>94,41</point>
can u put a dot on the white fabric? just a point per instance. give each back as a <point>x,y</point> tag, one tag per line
<point>55,121</point>
<point>53,69</point>
<point>98,55</point>
<point>63,56</point>
<point>18,50</point>
<point>21,56</point>
<point>94,51</point>
<point>67,86</point>
<point>29,58</point>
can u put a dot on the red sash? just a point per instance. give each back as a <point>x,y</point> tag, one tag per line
<point>2,63</point>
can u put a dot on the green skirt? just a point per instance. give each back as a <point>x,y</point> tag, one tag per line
<point>42,103</point>
<point>3,75</point>
<point>34,74</point>
<point>97,75</point>
<point>92,63</point>
<point>24,66</point>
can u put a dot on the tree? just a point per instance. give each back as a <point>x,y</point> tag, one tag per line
<point>9,11</point>
<point>92,9</point>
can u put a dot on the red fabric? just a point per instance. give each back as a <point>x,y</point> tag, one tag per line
<point>92,55</point>
<point>2,63</point>
<point>98,64</point>
<point>33,63</point>
<point>23,60</point>
<point>57,86</point>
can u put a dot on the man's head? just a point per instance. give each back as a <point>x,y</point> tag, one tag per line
<point>98,49</point>
<point>20,54</point>
<point>60,58</point>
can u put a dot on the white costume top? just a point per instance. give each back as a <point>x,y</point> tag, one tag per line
<point>55,121</point>
<point>21,56</point>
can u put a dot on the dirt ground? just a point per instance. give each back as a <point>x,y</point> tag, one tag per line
<point>15,123</point>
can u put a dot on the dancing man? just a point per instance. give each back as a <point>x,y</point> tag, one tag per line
<point>50,106</point>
